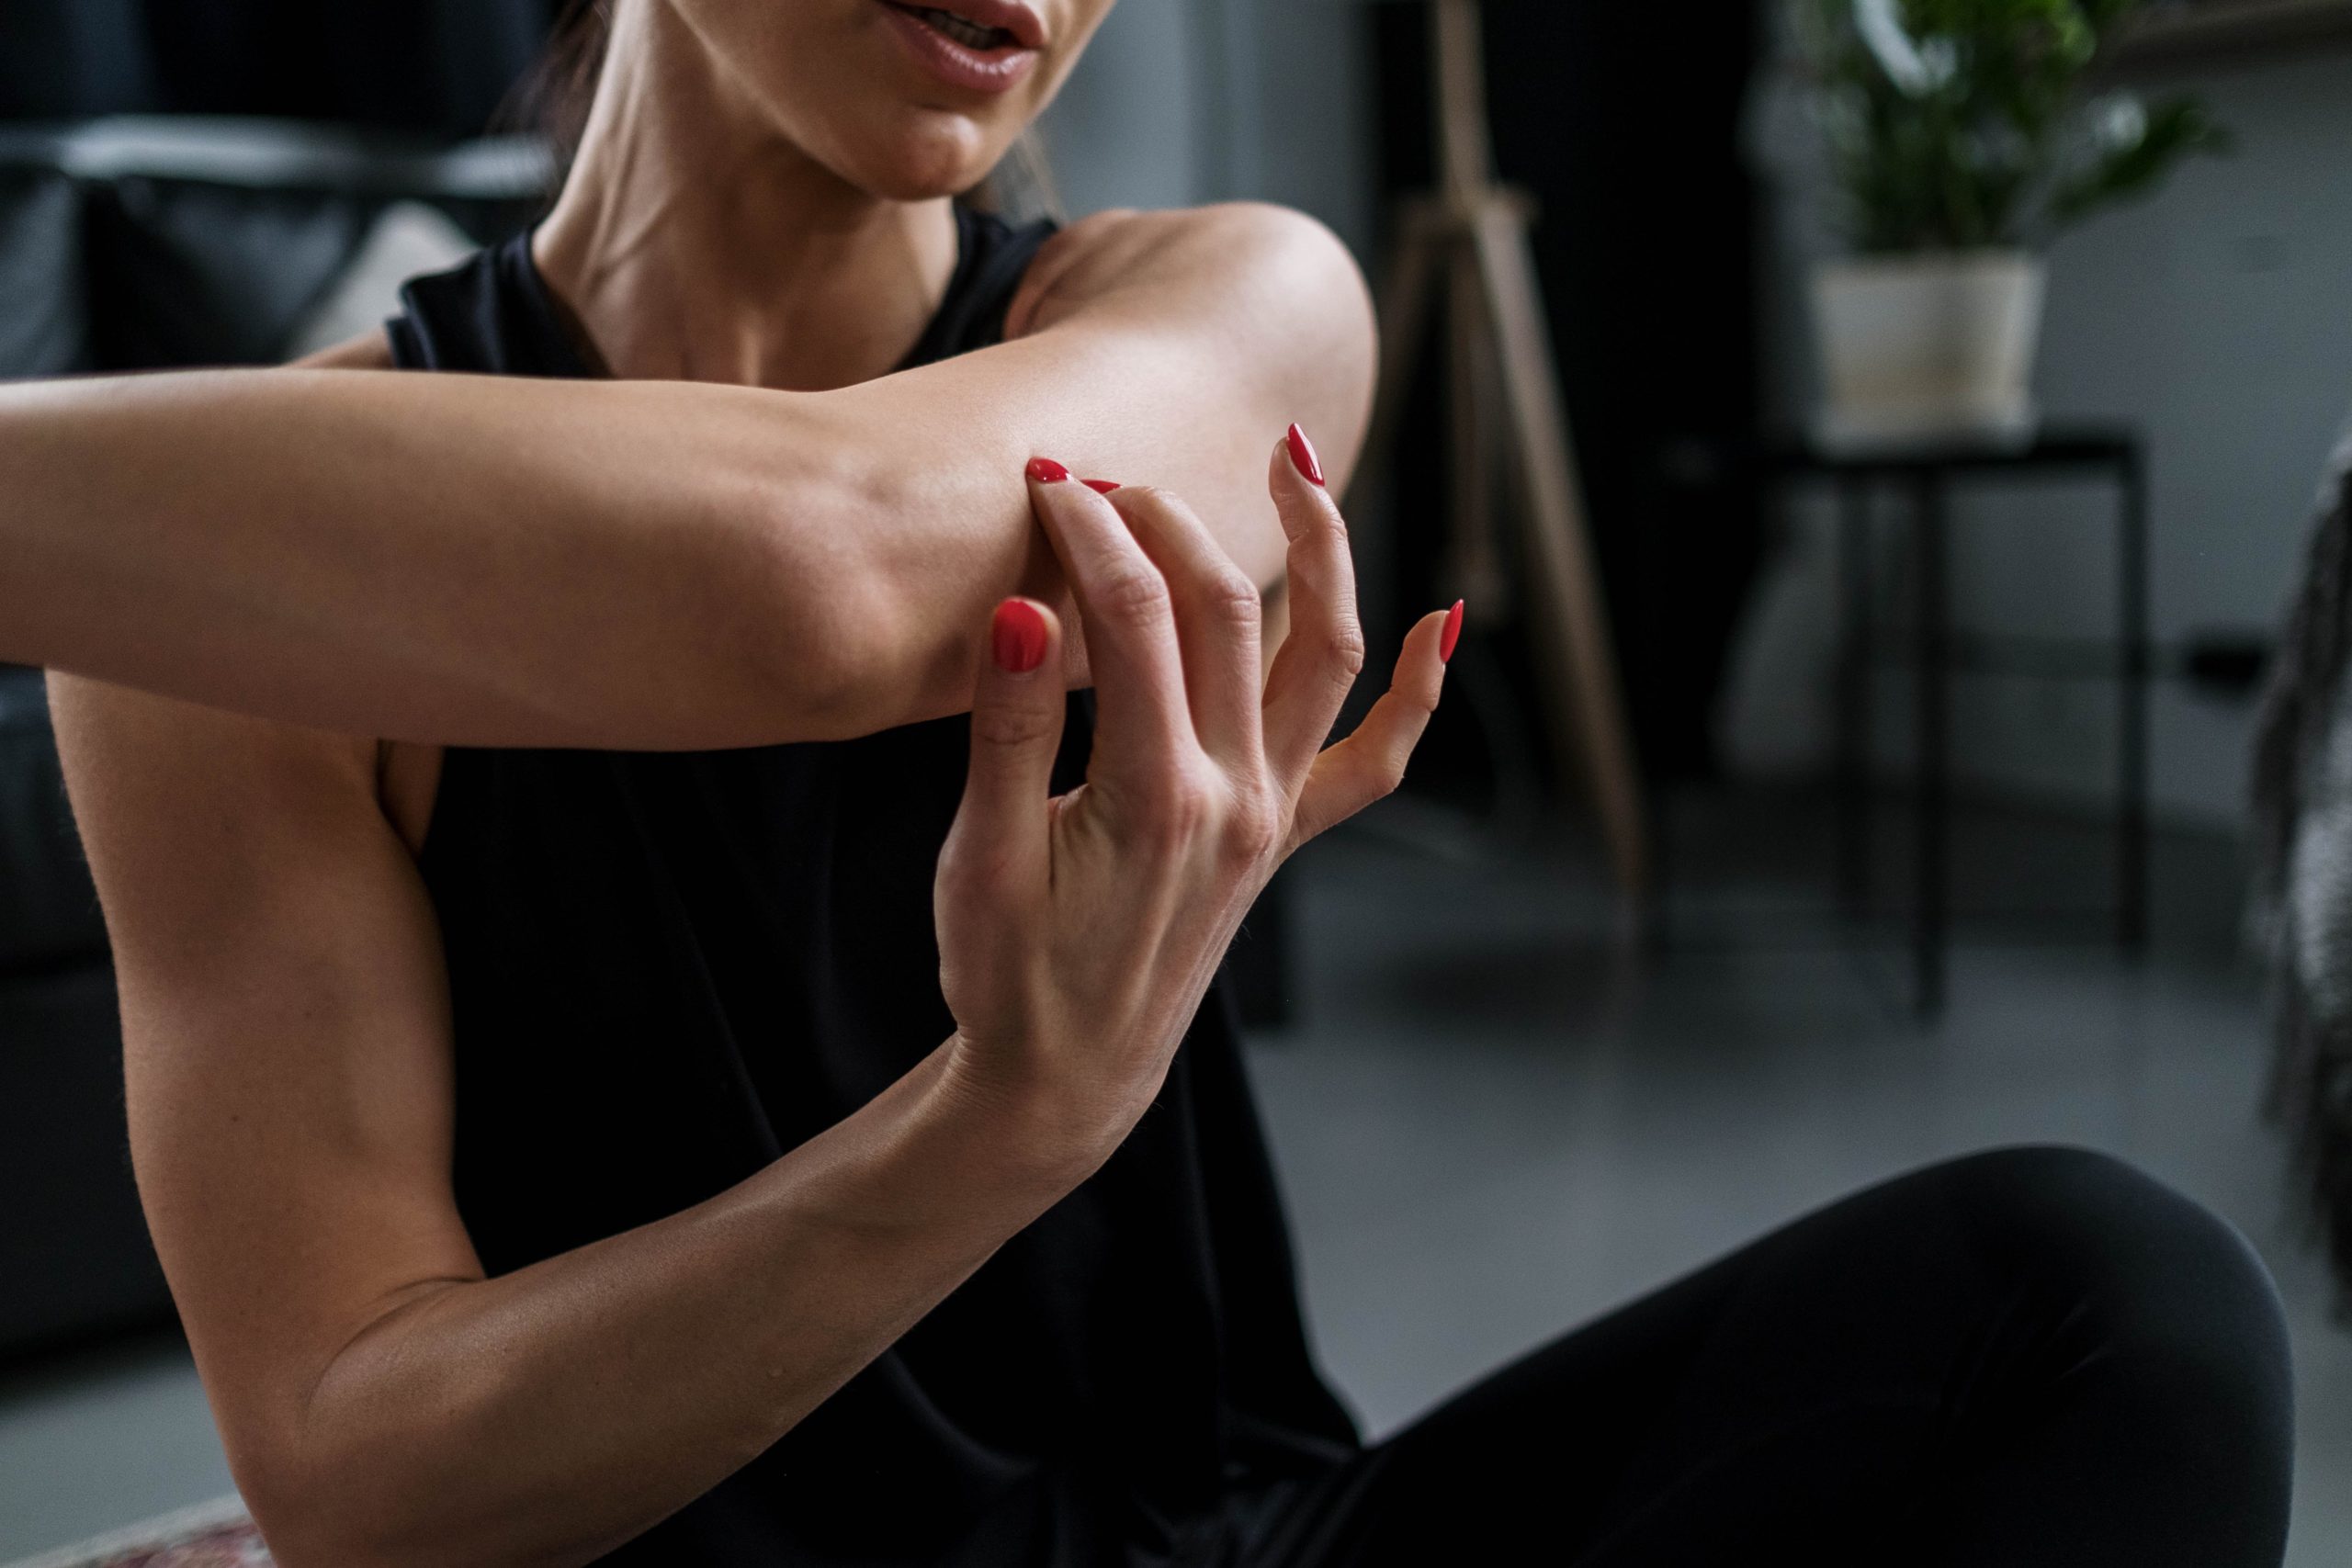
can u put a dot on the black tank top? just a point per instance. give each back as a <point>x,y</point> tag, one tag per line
<point>667,969</point>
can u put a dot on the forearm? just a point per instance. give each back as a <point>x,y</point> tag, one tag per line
<point>547,1415</point>
<point>516,561</point>
<point>447,558</point>
<point>469,561</point>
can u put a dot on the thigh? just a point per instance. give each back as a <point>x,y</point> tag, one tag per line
<point>2028,1356</point>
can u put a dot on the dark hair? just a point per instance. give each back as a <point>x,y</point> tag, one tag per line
<point>553,101</point>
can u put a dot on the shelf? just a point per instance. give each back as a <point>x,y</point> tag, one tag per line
<point>2206,31</point>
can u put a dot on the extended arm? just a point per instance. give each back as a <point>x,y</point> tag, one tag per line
<point>291,1094</point>
<point>657,565</point>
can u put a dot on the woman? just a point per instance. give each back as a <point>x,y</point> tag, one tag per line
<point>784,1155</point>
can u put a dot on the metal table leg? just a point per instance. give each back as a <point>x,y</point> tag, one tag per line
<point>1930,912</point>
<point>2132,747</point>
<point>1853,827</point>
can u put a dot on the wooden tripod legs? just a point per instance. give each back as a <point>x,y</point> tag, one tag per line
<point>1485,240</point>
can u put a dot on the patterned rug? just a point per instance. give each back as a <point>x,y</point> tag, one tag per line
<point>211,1535</point>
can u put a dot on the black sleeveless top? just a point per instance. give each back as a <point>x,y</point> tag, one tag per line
<point>667,969</point>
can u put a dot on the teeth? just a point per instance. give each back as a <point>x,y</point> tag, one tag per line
<point>969,34</point>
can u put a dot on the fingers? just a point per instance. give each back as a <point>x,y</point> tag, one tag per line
<point>1143,729</point>
<point>1370,763</point>
<point>1320,658</point>
<point>999,838</point>
<point>1217,616</point>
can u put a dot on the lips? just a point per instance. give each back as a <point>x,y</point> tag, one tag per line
<point>971,35</point>
<point>981,25</point>
<point>985,46</point>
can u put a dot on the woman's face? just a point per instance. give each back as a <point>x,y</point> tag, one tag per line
<point>905,101</point>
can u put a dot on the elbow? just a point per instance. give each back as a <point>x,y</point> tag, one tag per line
<point>317,1516</point>
<point>823,668</point>
<point>339,1515</point>
<point>836,645</point>
<point>388,1456</point>
<point>378,1502</point>
<point>806,634</point>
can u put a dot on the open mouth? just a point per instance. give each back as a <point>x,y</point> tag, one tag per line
<point>961,30</point>
<point>979,46</point>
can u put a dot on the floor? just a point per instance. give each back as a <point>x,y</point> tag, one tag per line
<point>1487,1082</point>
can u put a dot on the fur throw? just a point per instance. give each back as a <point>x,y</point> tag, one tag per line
<point>2302,874</point>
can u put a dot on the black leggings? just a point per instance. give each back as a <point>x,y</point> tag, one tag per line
<point>2029,1357</point>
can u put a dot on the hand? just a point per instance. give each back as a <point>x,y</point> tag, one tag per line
<point>1077,933</point>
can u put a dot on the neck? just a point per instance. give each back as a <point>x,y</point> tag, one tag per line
<point>692,242</point>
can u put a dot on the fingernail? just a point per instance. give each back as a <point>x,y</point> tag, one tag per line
<point>1302,456</point>
<point>1452,635</point>
<point>1046,471</point>
<point>1017,636</point>
<point>1100,487</point>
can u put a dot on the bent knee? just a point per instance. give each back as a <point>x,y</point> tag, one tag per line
<point>2155,1273</point>
<point>2079,1215</point>
<point>2081,1211</point>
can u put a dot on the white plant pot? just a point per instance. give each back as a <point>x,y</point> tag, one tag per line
<point>1934,347</point>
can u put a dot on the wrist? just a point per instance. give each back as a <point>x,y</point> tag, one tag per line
<point>1036,1124</point>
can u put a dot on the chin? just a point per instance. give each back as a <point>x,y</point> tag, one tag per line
<point>931,155</point>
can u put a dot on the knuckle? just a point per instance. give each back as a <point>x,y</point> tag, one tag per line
<point>1137,593</point>
<point>1318,526</point>
<point>1231,595</point>
<point>1191,806</point>
<point>1344,649</point>
<point>1254,827</point>
<point>966,873</point>
<point>1011,727</point>
<point>1147,497</point>
<point>1181,811</point>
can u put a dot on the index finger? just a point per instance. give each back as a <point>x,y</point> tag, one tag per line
<point>1217,616</point>
<point>1142,725</point>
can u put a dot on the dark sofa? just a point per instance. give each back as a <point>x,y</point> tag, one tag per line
<point>73,1256</point>
<point>132,245</point>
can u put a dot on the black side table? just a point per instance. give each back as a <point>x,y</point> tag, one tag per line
<point>1926,475</point>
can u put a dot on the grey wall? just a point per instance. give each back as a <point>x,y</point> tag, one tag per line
<point>1182,101</point>
<point>1128,127</point>
<point>2217,316</point>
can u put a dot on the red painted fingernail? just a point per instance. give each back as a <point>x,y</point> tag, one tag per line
<point>1017,636</point>
<point>1100,487</point>
<point>1452,635</point>
<point>1046,471</point>
<point>1302,455</point>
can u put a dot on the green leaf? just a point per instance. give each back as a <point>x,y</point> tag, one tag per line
<point>1985,139</point>
<point>2175,129</point>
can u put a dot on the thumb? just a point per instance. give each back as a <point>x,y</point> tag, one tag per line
<point>1016,731</point>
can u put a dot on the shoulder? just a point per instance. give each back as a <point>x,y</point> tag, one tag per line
<point>1220,262</point>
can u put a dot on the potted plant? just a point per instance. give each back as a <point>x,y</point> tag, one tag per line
<point>1962,139</point>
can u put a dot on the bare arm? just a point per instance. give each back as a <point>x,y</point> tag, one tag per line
<point>285,1025</point>
<point>287,1040</point>
<point>657,564</point>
